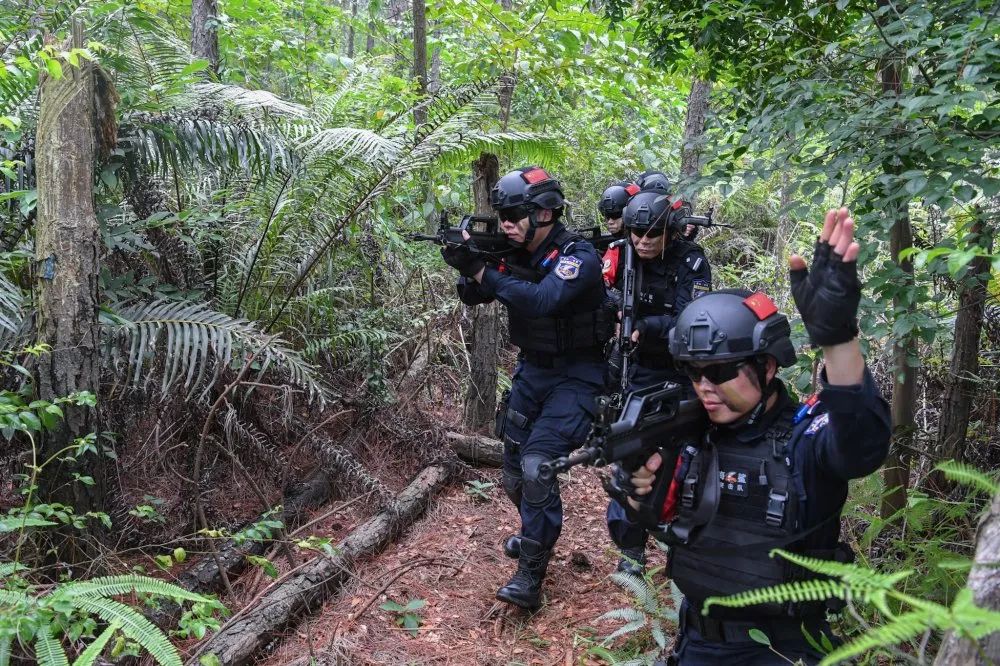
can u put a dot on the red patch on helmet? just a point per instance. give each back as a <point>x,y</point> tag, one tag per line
<point>677,204</point>
<point>534,176</point>
<point>761,305</point>
<point>632,189</point>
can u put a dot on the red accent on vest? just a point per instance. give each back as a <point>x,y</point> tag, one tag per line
<point>610,268</point>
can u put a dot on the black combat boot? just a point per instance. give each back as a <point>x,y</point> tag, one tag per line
<point>512,546</point>
<point>525,588</point>
<point>633,561</point>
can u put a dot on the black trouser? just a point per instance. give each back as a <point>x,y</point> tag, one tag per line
<point>702,641</point>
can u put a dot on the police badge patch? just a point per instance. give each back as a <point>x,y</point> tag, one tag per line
<point>818,423</point>
<point>568,267</point>
<point>700,288</point>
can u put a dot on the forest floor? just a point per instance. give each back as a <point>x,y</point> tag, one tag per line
<point>452,559</point>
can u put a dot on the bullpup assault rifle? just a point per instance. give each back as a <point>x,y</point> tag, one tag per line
<point>654,419</point>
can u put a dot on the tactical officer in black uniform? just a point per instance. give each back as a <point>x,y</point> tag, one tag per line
<point>770,472</point>
<point>657,181</point>
<point>612,206</point>
<point>560,318</point>
<point>670,273</point>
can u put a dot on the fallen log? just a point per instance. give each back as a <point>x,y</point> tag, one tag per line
<point>477,449</point>
<point>312,493</point>
<point>304,589</point>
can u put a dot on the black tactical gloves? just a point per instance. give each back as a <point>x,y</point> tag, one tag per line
<point>464,258</point>
<point>827,297</point>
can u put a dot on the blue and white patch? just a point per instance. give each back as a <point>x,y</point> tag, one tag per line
<point>700,288</point>
<point>818,423</point>
<point>568,268</point>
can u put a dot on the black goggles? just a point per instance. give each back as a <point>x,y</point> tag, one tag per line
<point>717,373</point>
<point>646,233</point>
<point>513,214</point>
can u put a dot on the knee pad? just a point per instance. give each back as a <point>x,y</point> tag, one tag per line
<point>536,491</point>
<point>512,485</point>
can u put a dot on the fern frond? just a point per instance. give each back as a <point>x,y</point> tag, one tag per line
<point>48,650</point>
<point>623,614</point>
<point>855,576</point>
<point>4,650</point>
<point>11,298</point>
<point>972,620</point>
<point>7,568</point>
<point>14,598</point>
<point>800,590</point>
<point>196,337</point>
<point>113,586</point>
<point>93,651</point>
<point>639,588</point>
<point>967,475</point>
<point>350,142</point>
<point>902,628</point>
<point>133,625</point>
<point>242,436</point>
<point>247,102</point>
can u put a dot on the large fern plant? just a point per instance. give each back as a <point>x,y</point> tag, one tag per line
<point>48,619</point>
<point>906,617</point>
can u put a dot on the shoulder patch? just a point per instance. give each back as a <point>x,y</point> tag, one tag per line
<point>694,261</point>
<point>700,288</point>
<point>818,423</point>
<point>568,267</point>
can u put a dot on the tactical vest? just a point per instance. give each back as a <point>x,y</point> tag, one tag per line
<point>758,509</point>
<point>573,332</point>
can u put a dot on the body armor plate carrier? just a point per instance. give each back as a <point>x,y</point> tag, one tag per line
<point>572,332</point>
<point>758,509</point>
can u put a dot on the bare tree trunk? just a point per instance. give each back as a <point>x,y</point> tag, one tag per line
<point>370,36</point>
<point>204,38</point>
<point>896,472</point>
<point>694,130</point>
<point>481,396</point>
<point>420,56</point>
<point>984,581</point>
<point>964,369</point>
<point>72,124</point>
<point>350,29</point>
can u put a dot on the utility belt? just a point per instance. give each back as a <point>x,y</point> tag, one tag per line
<point>735,631</point>
<point>554,361</point>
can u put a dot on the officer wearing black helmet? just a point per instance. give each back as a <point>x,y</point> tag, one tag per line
<point>657,181</point>
<point>770,472</point>
<point>560,318</point>
<point>612,207</point>
<point>670,273</point>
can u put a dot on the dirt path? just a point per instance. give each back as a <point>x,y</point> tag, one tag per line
<point>457,566</point>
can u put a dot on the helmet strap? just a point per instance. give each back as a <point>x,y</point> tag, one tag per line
<point>766,389</point>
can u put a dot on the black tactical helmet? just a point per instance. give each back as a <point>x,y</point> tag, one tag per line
<point>731,324</point>
<point>654,181</point>
<point>530,187</point>
<point>648,210</point>
<point>614,199</point>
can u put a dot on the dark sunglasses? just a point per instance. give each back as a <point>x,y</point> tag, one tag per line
<point>646,233</point>
<point>515,214</point>
<point>717,373</point>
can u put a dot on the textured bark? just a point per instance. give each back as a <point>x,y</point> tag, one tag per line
<point>477,449</point>
<point>420,56</point>
<point>896,472</point>
<point>984,581</point>
<point>204,38</point>
<point>67,247</point>
<point>694,130</point>
<point>306,589</point>
<point>370,36</point>
<point>484,333</point>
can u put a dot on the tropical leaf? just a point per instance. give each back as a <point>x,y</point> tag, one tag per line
<point>93,651</point>
<point>48,651</point>
<point>113,586</point>
<point>133,625</point>
<point>968,475</point>
<point>195,338</point>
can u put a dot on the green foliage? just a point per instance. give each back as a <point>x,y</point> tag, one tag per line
<point>479,490</point>
<point>648,613</point>
<point>43,615</point>
<point>407,616</point>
